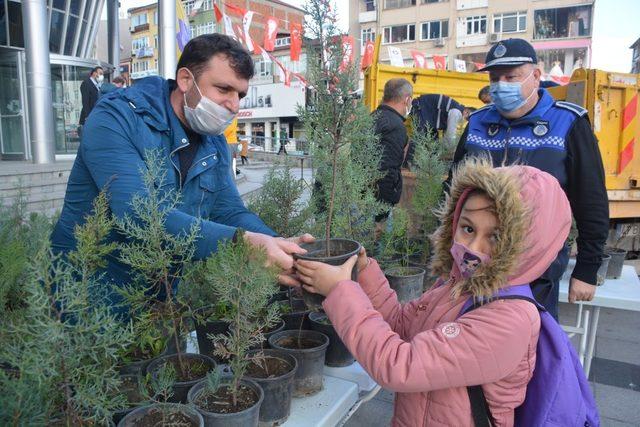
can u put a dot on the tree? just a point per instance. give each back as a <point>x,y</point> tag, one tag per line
<point>340,129</point>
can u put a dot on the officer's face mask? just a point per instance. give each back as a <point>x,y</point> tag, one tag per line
<point>207,118</point>
<point>507,96</point>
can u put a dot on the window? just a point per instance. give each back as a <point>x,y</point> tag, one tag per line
<point>140,19</point>
<point>434,30</point>
<point>562,23</point>
<point>283,41</point>
<point>510,22</point>
<point>399,34</point>
<point>370,5</point>
<point>140,66</point>
<point>262,68</point>
<point>433,1</point>
<point>200,29</point>
<point>139,43</point>
<point>395,4</point>
<point>207,5</point>
<point>155,42</point>
<point>188,6</point>
<point>155,17</point>
<point>367,34</point>
<point>476,24</point>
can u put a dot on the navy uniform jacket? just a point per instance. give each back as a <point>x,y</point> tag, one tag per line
<point>555,137</point>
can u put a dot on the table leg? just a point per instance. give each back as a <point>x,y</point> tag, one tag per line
<point>591,343</point>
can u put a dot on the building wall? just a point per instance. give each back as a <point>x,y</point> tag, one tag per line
<point>144,42</point>
<point>470,47</point>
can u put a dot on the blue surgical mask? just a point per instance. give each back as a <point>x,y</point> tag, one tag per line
<point>507,96</point>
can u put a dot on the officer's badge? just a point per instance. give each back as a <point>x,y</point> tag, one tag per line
<point>540,130</point>
<point>500,51</point>
<point>493,129</point>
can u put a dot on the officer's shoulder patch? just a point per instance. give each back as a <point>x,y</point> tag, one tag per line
<point>485,108</point>
<point>575,108</point>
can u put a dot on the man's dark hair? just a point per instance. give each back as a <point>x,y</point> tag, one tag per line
<point>118,79</point>
<point>483,92</point>
<point>396,89</point>
<point>200,50</point>
<point>95,69</point>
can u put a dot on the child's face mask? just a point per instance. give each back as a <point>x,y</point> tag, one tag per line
<point>467,260</point>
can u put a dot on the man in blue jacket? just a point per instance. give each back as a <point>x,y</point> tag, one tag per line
<point>183,120</point>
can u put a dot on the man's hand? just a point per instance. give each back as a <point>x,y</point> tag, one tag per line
<point>580,291</point>
<point>321,278</point>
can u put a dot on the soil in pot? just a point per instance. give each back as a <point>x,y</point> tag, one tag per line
<point>308,347</point>
<point>219,409</point>
<point>337,353</point>
<point>340,250</point>
<point>614,270</point>
<point>273,371</point>
<point>196,367</point>
<point>408,282</point>
<point>163,414</point>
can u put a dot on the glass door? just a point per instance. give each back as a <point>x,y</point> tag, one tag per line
<point>12,122</point>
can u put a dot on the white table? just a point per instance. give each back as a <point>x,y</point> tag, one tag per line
<point>622,293</point>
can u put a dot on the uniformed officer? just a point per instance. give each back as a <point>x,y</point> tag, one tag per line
<point>524,125</point>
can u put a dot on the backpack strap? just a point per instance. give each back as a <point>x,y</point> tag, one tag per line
<point>479,406</point>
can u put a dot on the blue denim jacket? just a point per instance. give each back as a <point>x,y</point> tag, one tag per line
<point>121,129</point>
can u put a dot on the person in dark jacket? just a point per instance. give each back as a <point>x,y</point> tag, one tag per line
<point>90,92</point>
<point>389,126</point>
<point>182,120</point>
<point>524,125</point>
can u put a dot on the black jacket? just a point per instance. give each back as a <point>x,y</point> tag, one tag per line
<point>90,96</point>
<point>389,125</point>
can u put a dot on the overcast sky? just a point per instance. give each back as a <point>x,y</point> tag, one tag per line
<point>615,28</point>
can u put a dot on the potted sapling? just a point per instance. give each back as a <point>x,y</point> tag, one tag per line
<point>157,260</point>
<point>239,279</point>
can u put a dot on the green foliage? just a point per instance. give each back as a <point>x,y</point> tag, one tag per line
<point>156,259</point>
<point>62,353</point>
<point>396,247</point>
<point>341,132</point>
<point>430,166</point>
<point>237,275</point>
<point>279,202</point>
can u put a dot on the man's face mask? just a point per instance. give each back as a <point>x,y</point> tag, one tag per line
<point>207,118</point>
<point>467,260</point>
<point>507,96</point>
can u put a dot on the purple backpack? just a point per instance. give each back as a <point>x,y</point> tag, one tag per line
<point>558,393</point>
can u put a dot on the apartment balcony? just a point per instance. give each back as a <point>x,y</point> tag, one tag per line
<point>138,28</point>
<point>369,16</point>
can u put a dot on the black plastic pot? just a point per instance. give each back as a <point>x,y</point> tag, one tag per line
<point>614,271</point>
<point>428,280</point>
<point>601,275</point>
<point>181,388</point>
<point>139,367</point>
<point>337,353</point>
<point>131,389</point>
<point>136,417</point>
<point>298,317</point>
<point>247,418</point>
<point>340,251</point>
<point>406,281</point>
<point>205,345</point>
<point>308,377</point>
<point>278,390</point>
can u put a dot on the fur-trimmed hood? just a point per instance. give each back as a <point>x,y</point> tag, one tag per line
<point>534,219</point>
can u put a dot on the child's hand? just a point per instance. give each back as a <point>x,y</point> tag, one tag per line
<point>363,261</point>
<point>321,278</point>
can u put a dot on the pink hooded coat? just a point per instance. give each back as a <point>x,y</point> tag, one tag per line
<point>422,350</point>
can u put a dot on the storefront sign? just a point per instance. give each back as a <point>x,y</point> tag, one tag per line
<point>272,100</point>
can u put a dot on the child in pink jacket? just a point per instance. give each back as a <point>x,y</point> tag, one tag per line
<point>499,227</point>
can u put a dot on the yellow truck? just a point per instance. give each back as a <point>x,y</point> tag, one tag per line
<point>612,100</point>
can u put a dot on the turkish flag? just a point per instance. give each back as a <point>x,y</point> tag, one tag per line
<point>296,40</point>
<point>439,62</point>
<point>218,13</point>
<point>419,59</point>
<point>246,25</point>
<point>367,57</point>
<point>347,52</point>
<point>478,65</point>
<point>270,34</point>
<point>236,9</point>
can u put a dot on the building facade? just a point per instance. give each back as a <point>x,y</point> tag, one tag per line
<point>72,27</point>
<point>559,30</point>
<point>143,28</point>
<point>635,57</point>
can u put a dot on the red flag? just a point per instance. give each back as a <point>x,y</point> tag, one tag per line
<point>347,52</point>
<point>296,40</point>
<point>286,73</point>
<point>367,57</point>
<point>478,65</point>
<point>561,80</point>
<point>440,62</point>
<point>218,13</point>
<point>257,50</point>
<point>270,33</point>
<point>419,59</point>
<point>237,10</point>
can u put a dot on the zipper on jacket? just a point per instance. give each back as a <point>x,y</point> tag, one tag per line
<point>174,164</point>
<point>506,147</point>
